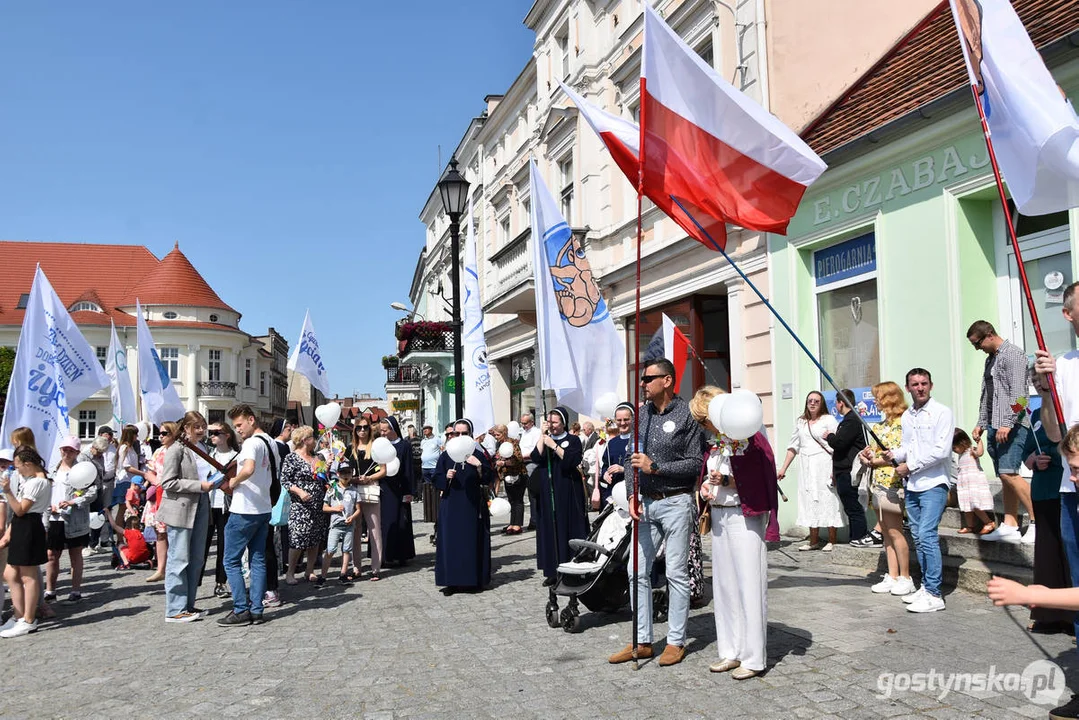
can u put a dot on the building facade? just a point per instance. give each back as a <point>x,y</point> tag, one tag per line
<point>210,360</point>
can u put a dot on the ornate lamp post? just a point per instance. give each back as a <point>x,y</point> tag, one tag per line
<point>454,191</point>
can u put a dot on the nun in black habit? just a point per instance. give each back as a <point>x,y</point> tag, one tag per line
<point>463,550</point>
<point>558,459</point>
<point>398,544</point>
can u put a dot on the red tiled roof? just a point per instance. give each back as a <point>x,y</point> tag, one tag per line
<point>175,281</point>
<point>924,66</point>
<point>107,275</point>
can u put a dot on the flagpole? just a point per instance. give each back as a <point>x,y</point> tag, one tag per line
<point>1031,307</point>
<point>635,497</point>
<point>778,317</point>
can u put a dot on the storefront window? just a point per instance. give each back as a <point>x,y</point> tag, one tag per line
<point>1048,265</point>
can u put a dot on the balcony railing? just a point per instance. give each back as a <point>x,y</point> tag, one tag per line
<point>217,388</point>
<point>441,342</point>
<point>403,375</point>
<point>512,266</point>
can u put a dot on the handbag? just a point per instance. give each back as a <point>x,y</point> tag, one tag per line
<point>279,514</point>
<point>704,521</point>
<point>371,492</point>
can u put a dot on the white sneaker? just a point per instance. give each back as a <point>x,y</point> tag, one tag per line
<point>913,597</point>
<point>1028,536</point>
<point>926,604</point>
<point>903,586</point>
<point>1003,533</point>
<point>884,586</point>
<point>9,624</point>
<point>20,628</point>
<point>828,547</point>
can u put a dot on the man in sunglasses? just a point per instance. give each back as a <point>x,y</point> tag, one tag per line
<point>668,456</point>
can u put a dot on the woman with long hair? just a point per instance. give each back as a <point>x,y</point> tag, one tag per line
<point>818,503</point>
<point>128,466</point>
<point>185,511</point>
<point>225,448</point>
<point>887,490</point>
<point>368,475</point>
<point>26,539</point>
<point>306,520</point>
<point>169,433</point>
<point>68,522</point>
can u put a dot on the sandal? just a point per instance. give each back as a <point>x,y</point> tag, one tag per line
<point>965,530</point>
<point>374,577</point>
<point>808,546</point>
<point>987,528</point>
<point>293,581</point>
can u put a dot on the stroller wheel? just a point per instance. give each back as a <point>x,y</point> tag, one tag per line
<point>571,620</point>
<point>552,615</point>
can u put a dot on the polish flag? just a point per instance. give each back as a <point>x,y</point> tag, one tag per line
<point>712,147</point>
<point>672,344</point>
<point>623,139</point>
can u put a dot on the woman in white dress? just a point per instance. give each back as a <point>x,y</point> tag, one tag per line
<point>818,503</point>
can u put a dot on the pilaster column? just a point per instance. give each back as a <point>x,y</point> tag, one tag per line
<point>192,377</point>
<point>736,333</point>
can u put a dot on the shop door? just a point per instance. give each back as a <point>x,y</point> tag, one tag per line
<point>1048,264</point>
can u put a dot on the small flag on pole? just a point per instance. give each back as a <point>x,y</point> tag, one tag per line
<point>160,402</point>
<point>672,344</point>
<point>306,359</point>
<point>124,410</point>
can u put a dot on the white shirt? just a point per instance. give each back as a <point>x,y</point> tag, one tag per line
<point>1067,379</point>
<point>110,463</point>
<point>36,489</point>
<point>252,496</point>
<point>529,439</point>
<point>217,497</point>
<point>130,459</point>
<point>927,445</point>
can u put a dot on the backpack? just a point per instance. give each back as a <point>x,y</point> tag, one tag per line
<point>275,480</point>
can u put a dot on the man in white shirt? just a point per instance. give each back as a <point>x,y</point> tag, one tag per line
<point>530,437</point>
<point>249,517</point>
<point>924,458</point>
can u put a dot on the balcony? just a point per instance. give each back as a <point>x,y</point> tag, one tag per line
<point>510,286</point>
<point>425,341</point>
<point>216,388</point>
<point>403,377</point>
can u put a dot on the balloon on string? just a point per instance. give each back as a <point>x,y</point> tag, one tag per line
<point>393,466</point>
<point>513,429</point>
<point>619,496</point>
<point>97,521</point>
<point>328,414</point>
<point>382,451</point>
<point>715,410</point>
<point>459,448</point>
<point>605,404</point>
<point>490,444</point>
<point>742,415</point>
<point>500,510</point>
<point>505,450</point>
<point>82,476</point>
<point>144,430</point>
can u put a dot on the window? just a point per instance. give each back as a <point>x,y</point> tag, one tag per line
<point>87,424</point>
<point>247,372</point>
<point>23,300</point>
<point>526,210</point>
<point>562,55</point>
<point>565,178</point>
<point>504,231</point>
<point>170,315</point>
<point>85,305</point>
<point>262,383</point>
<point>170,358</point>
<point>215,365</point>
<point>705,51</point>
<point>213,318</point>
<point>102,354</point>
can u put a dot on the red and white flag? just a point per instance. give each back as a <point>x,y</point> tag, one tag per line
<point>712,147</point>
<point>670,343</point>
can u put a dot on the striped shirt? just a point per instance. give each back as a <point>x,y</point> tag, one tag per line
<point>1004,382</point>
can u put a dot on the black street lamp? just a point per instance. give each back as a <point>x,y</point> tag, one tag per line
<point>454,191</point>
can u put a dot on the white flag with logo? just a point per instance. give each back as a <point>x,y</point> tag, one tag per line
<point>55,370</point>
<point>124,410</point>
<point>581,356</point>
<point>478,405</point>
<point>306,359</point>
<point>160,401</point>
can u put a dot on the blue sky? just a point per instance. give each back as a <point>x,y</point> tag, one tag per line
<point>288,147</point>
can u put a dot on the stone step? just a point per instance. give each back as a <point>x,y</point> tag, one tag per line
<point>962,573</point>
<point>953,518</point>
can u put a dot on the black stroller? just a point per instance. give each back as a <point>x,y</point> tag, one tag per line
<point>597,574</point>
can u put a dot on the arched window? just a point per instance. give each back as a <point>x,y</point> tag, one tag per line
<point>85,305</point>
<point>213,318</point>
<point>170,315</point>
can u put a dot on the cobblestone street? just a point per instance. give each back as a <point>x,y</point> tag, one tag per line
<point>398,648</point>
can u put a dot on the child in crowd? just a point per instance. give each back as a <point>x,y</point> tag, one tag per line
<point>341,501</point>
<point>972,487</point>
<point>135,551</point>
<point>25,539</point>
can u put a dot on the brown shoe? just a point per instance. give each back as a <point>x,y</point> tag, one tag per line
<point>672,655</point>
<point>644,651</point>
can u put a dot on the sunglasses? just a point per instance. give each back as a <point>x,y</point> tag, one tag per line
<point>215,433</point>
<point>645,379</point>
<point>977,343</point>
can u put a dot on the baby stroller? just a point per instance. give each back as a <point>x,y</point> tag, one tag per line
<point>596,576</point>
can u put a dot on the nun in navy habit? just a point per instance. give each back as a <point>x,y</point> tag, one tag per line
<point>616,453</point>
<point>396,500</point>
<point>463,550</point>
<point>568,519</point>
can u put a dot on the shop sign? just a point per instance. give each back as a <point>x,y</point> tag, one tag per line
<point>449,385</point>
<point>852,258</point>
<point>865,405</point>
<point>403,405</point>
<point>897,183</point>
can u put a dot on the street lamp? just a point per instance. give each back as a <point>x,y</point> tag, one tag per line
<point>454,191</point>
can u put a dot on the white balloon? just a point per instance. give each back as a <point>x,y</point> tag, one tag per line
<point>715,410</point>
<point>382,451</point>
<point>505,450</point>
<point>500,509</point>
<point>393,466</point>
<point>605,404</point>
<point>490,444</point>
<point>460,447</point>
<point>513,429</point>
<point>742,415</point>
<point>97,521</point>
<point>619,496</point>
<point>328,414</point>
<point>144,430</point>
<point>82,476</point>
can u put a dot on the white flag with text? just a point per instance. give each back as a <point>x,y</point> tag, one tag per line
<point>306,359</point>
<point>124,410</point>
<point>160,401</point>
<point>478,405</point>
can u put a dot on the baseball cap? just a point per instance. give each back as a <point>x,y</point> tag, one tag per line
<point>71,442</point>
<point>105,429</point>
<point>7,454</point>
<point>344,467</point>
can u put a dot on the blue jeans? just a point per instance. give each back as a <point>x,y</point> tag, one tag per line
<point>246,532</point>
<point>669,520</point>
<point>429,475</point>
<point>183,566</point>
<point>924,510</point>
<point>1069,535</point>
